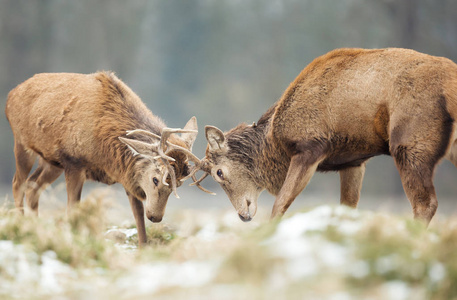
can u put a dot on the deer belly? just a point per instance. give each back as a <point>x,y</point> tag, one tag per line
<point>353,152</point>
<point>99,176</point>
<point>342,162</point>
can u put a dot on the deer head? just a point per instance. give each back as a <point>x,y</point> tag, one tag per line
<point>162,165</point>
<point>234,175</point>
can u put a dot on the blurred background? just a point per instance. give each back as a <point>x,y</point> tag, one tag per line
<point>224,61</point>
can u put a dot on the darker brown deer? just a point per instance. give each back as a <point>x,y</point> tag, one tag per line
<point>344,108</point>
<point>94,127</point>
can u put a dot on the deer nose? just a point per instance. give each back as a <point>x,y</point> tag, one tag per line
<point>246,218</point>
<point>154,219</point>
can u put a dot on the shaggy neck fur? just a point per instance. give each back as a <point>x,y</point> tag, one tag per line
<point>254,147</point>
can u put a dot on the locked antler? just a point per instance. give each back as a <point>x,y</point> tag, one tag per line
<point>198,164</point>
<point>163,155</point>
<point>203,166</point>
<point>197,183</point>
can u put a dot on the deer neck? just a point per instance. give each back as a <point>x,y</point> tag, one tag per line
<point>266,163</point>
<point>272,164</point>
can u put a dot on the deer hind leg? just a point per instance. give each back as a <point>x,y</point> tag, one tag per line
<point>301,169</point>
<point>44,175</point>
<point>24,163</point>
<point>418,186</point>
<point>416,159</point>
<point>351,185</point>
<point>74,179</point>
<point>418,141</point>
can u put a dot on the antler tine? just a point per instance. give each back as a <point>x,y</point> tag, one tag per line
<point>166,132</point>
<point>199,180</point>
<point>191,173</point>
<point>169,168</point>
<point>173,180</point>
<point>165,175</point>
<point>189,154</point>
<point>202,165</point>
<point>129,132</point>
<point>169,171</point>
<point>197,183</point>
<point>199,165</point>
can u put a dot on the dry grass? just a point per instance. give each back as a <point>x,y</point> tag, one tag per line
<point>324,253</point>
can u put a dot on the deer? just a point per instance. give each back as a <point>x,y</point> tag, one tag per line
<point>344,108</point>
<point>94,127</point>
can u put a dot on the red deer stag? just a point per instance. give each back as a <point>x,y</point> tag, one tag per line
<point>95,127</point>
<point>344,108</point>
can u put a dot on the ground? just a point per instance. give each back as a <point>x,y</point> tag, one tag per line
<point>322,252</point>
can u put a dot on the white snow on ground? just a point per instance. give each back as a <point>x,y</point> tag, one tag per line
<point>209,232</point>
<point>307,254</point>
<point>297,241</point>
<point>129,232</point>
<point>25,273</point>
<point>319,219</point>
<point>150,278</point>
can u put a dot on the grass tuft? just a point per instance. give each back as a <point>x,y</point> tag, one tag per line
<point>321,253</point>
<point>248,264</point>
<point>77,240</point>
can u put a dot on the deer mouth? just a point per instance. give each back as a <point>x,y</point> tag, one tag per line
<point>249,213</point>
<point>245,218</point>
<point>155,219</point>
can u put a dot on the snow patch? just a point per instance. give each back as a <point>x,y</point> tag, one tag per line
<point>397,290</point>
<point>437,272</point>
<point>319,219</point>
<point>150,278</point>
<point>307,254</point>
<point>209,232</point>
<point>129,232</point>
<point>42,275</point>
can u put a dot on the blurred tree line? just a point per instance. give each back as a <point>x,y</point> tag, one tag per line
<point>225,61</point>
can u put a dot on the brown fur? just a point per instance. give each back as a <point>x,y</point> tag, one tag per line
<point>343,108</point>
<point>73,122</point>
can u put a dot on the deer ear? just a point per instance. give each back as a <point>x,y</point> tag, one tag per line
<point>189,137</point>
<point>139,147</point>
<point>215,138</point>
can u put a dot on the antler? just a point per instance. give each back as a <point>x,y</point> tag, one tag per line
<point>164,143</point>
<point>166,132</point>
<point>197,183</point>
<point>160,146</point>
<point>200,165</point>
<point>129,132</point>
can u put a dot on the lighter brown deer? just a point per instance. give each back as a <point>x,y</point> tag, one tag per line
<point>94,127</point>
<point>344,108</point>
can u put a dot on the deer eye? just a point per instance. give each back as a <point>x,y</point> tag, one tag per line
<point>156,181</point>
<point>220,174</point>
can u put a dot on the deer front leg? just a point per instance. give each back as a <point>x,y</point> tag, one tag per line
<point>351,185</point>
<point>74,179</point>
<point>301,169</point>
<point>138,214</point>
